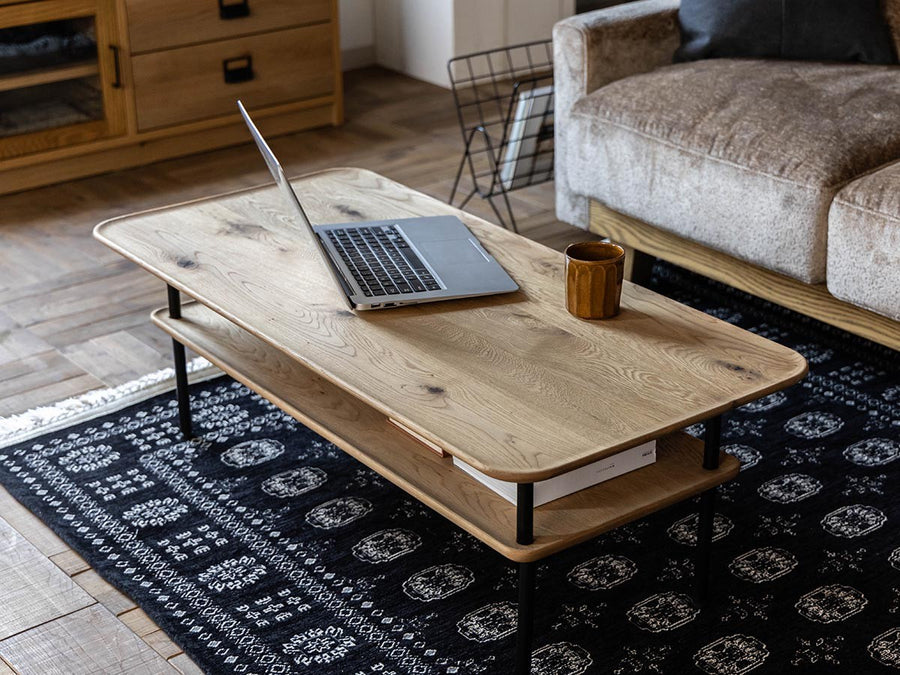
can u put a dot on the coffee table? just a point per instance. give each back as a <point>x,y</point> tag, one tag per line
<point>513,385</point>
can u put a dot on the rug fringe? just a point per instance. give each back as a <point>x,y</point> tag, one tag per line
<point>44,419</point>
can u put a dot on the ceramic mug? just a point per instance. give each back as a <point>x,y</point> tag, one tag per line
<point>594,274</point>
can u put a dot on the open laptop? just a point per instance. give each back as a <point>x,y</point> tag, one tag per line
<point>390,263</point>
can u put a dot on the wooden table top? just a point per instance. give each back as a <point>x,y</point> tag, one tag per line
<point>511,384</point>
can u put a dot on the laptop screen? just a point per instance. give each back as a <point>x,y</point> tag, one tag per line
<point>285,186</point>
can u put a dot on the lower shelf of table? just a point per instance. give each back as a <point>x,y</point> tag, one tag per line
<point>365,433</point>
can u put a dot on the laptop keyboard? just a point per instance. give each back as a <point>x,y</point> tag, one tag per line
<point>381,261</point>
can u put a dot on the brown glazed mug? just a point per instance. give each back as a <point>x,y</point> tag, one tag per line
<point>594,274</point>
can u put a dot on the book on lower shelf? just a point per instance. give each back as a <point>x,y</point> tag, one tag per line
<point>571,481</point>
<point>434,447</point>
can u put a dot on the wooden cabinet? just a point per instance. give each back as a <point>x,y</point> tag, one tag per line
<point>160,24</point>
<point>135,81</point>
<point>262,70</point>
<point>60,83</point>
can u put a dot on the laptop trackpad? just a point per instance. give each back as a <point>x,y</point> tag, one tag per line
<point>454,252</point>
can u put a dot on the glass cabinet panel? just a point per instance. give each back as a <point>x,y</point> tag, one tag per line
<point>46,106</point>
<point>45,44</point>
<point>56,76</point>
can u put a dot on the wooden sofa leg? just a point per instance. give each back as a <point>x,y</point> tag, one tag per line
<point>638,266</point>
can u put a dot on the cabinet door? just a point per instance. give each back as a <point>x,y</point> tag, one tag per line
<point>60,81</point>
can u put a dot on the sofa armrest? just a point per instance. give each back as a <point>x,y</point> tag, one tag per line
<point>593,49</point>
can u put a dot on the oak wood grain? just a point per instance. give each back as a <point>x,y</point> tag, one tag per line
<point>122,152</point>
<point>367,435</point>
<point>18,343</point>
<point>513,385</point>
<point>30,526</point>
<point>183,663</point>
<point>116,358</point>
<point>284,64</point>
<point>104,592</point>
<point>37,378</point>
<point>111,123</point>
<point>176,91</point>
<point>162,644</point>
<point>159,24</point>
<point>88,641</point>
<point>32,589</point>
<point>809,299</point>
<point>39,12</point>
<point>403,127</point>
<point>69,562</point>
<point>47,75</point>
<point>51,260</point>
<point>138,621</point>
<point>186,138</point>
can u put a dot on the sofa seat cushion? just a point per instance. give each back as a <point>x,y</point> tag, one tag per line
<point>864,242</point>
<point>742,155</point>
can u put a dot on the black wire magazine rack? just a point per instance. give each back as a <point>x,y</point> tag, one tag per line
<point>504,99</point>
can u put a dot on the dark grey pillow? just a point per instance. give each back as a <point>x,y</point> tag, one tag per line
<point>819,30</point>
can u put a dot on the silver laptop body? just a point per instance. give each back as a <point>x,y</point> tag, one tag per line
<point>390,263</point>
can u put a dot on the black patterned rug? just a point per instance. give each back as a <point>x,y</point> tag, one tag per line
<point>263,549</point>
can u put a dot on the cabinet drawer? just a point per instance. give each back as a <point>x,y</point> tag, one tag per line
<point>181,85</point>
<point>160,24</point>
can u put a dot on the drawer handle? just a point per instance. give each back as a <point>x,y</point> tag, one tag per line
<point>234,10</point>
<point>117,83</point>
<point>238,69</point>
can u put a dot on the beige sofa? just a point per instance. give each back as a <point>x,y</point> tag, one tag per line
<point>779,177</point>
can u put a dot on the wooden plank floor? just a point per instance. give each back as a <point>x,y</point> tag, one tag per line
<point>74,316</point>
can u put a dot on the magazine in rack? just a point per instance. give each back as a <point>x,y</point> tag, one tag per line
<point>527,152</point>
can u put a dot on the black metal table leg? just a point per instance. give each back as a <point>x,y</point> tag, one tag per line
<point>525,535</point>
<point>641,267</point>
<point>525,513</point>
<point>181,382</point>
<point>525,627</point>
<point>711,443</point>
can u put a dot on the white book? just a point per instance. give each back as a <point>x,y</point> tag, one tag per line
<point>523,155</point>
<point>571,481</point>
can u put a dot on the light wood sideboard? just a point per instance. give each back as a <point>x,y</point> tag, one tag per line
<point>88,86</point>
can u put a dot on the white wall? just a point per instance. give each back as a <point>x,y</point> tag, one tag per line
<point>487,24</point>
<point>418,37</point>
<point>357,20</point>
<point>415,37</point>
<point>529,20</point>
<point>479,25</point>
